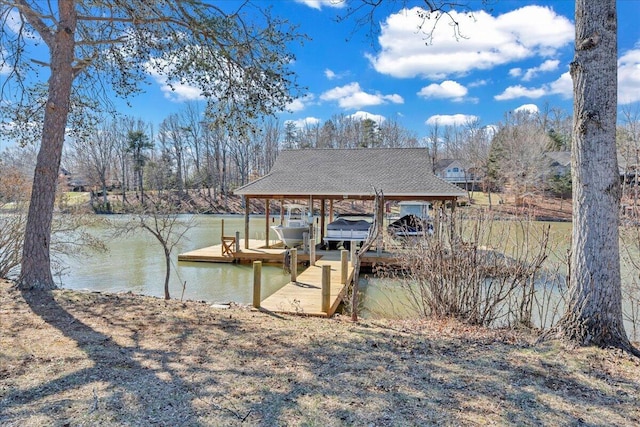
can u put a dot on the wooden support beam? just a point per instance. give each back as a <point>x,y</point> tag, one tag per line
<point>344,266</point>
<point>294,265</point>
<point>326,288</point>
<point>281,211</point>
<point>257,282</point>
<point>266,224</point>
<point>246,222</point>
<point>322,203</point>
<point>331,210</point>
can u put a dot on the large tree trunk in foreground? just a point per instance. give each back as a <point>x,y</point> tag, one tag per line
<point>594,313</point>
<point>36,264</point>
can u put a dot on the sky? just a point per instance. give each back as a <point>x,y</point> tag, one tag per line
<point>509,55</point>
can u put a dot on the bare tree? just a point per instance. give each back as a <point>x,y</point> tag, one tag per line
<point>433,143</point>
<point>139,143</point>
<point>521,143</point>
<point>246,64</point>
<point>594,312</point>
<point>160,217</point>
<point>95,156</point>
<point>172,136</point>
<point>629,150</point>
<point>14,194</point>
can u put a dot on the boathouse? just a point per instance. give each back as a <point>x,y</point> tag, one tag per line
<point>327,175</point>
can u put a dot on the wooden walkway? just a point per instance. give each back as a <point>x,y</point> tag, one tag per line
<point>304,296</point>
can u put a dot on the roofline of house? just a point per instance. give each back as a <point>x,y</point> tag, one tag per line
<point>330,196</point>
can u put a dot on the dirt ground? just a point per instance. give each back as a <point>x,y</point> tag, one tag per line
<point>86,359</point>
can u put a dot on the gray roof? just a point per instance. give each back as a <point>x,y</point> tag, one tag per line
<point>401,173</point>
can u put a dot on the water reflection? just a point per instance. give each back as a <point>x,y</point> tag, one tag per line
<point>136,263</point>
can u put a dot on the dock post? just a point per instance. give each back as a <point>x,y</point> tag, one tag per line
<point>237,241</point>
<point>312,253</point>
<point>354,253</point>
<point>326,288</point>
<point>305,241</point>
<point>294,265</point>
<point>344,264</point>
<point>257,282</point>
<point>222,235</point>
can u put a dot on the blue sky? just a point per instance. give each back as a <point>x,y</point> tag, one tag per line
<point>515,55</point>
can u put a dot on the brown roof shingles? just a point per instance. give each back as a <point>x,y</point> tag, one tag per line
<point>400,172</point>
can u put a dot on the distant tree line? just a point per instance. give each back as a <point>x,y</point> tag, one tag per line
<point>189,156</point>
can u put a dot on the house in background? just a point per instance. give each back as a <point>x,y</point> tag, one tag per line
<point>559,162</point>
<point>73,181</point>
<point>456,172</point>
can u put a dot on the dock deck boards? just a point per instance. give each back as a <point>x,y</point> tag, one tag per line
<point>304,297</point>
<point>255,253</point>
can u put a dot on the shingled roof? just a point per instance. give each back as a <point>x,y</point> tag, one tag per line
<point>400,173</point>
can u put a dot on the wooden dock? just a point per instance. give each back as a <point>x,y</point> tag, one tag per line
<point>304,296</point>
<point>273,255</point>
<point>256,252</point>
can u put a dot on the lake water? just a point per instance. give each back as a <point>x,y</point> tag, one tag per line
<point>136,263</point>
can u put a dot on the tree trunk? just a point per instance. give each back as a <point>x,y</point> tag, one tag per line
<point>594,312</point>
<point>167,274</point>
<point>36,263</point>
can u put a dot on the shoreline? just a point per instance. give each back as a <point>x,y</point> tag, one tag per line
<point>89,358</point>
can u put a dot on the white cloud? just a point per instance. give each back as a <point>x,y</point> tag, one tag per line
<point>519,91</point>
<point>319,4</point>
<point>180,92</point>
<point>487,41</point>
<point>450,119</point>
<point>548,65</point>
<point>363,115</point>
<point>177,92</point>
<point>515,72</point>
<point>305,122</point>
<point>478,83</point>
<point>628,83</point>
<point>446,89</point>
<point>5,69</point>
<point>14,23</point>
<point>562,86</point>
<point>332,75</point>
<point>300,104</point>
<point>351,96</point>
<point>629,77</point>
<point>530,108</point>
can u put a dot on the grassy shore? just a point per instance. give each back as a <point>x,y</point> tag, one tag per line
<point>72,359</point>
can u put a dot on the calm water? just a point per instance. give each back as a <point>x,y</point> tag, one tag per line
<point>136,263</point>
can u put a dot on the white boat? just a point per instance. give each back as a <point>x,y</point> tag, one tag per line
<point>296,223</point>
<point>347,229</point>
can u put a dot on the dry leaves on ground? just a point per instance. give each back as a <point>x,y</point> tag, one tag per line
<point>96,359</point>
